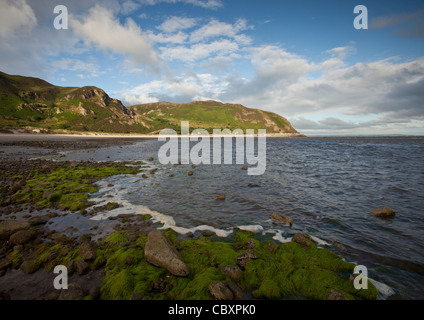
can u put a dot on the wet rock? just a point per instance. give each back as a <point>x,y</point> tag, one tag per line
<point>193,166</point>
<point>152,171</point>
<point>237,292</point>
<point>220,291</point>
<point>244,167</point>
<point>233,272</point>
<point>335,295</point>
<point>282,219</point>
<point>220,197</point>
<point>30,266</point>
<point>88,250</point>
<point>340,246</point>
<point>171,175</point>
<point>151,159</point>
<point>250,244</point>
<point>71,267</point>
<point>23,236</point>
<point>160,252</point>
<point>82,267</point>
<point>73,292</point>
<point>383,212</point>
<point>301,239</point>
<point>190,173</point>
<point>245,257</point>
<point>8,227</point>
<point>100,263</point>
<point>38,220</point>
<point>208,233</point>
<point>251,185</point>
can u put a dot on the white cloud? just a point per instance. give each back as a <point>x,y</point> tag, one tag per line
<point>199,51</point>
<point>174,24</point>
<point>217,28</point>
<point>89,68</point>
<point>102,29</point>
<point>16,16</point>
<point>207,4</point>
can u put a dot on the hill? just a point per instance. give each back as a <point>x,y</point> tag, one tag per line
<point>34,103</point>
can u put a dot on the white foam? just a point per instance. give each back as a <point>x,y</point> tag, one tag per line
<point>319,241</point>
<point>279,237</point>
<point>251,228</point>
<point>383,289</point>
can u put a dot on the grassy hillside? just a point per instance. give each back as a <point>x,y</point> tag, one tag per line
<point>35,103</point>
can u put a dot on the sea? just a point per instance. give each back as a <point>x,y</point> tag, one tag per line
<point>327,185</point>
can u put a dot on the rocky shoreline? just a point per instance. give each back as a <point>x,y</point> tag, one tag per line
<point>126,257</point>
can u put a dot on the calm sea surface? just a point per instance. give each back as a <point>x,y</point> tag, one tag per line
<point>327,186</point>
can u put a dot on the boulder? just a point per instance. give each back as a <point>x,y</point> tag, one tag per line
<point>88,250</point>
<point>383,212</point>
<point>220,291</point>
<point>73,292</point>
<point>38,220</point>
<point>8,227</point>
<point>233,272</point>
<point>245,257</point>
<point>237,292</point>
<point>335,295</point>
<point>23,236</point>
<point>30,266</point>
<point>160,252</point>
<point>277,217</point>
<point>301,239</point>
<point>82,267</point>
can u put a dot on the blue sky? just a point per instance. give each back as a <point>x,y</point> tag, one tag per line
<point>301,59</point>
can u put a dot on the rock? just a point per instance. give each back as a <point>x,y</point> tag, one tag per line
<point>282,219</point>
<point>190,173</point>
<point>160,252</point>
<point>73,292</point>
<point>272,245</point>
<point>100,263</point>
<point>193,166</point>
<point>82,267</point>
<point>8,227</point>
<point>250,244</point>
<point>23,236</point>
<point>71,267</point>
<point>233,272</point>
<point>383,212</point>
<point>237,292</point>
<point>220,291</point>
<point>301,239</point>
<point>4,264</point>
<point>30,266</point>
<point>38,220</point>
<point>151,159</point>
<point>137,296</point>
<point>208,233</point>
<point>251,185</point>
<point>152,171</point>
<point>244,167</point>
<point>130,260</point>
<point>335,295</point>
<point>171,175</point>
<point>220,197</point>
<point>339,246</point>
<point>245,257</point>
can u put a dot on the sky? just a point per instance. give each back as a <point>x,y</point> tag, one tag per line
<point>304,60</point>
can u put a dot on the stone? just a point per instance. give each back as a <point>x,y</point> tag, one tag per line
<point>244,167</point>
<point>160,252</point>
<point>73,292</point>
<point>237,292</point>
<point>245,257</point>
<point>383,212</point>
<point>23,236</point>
<point>193,166</point>
<point>137,296</point>
<point>38,220</point>
<point>190,173</point>
<point>8,227</point>
<point>335,295</point>
<point>233,272</point>
<point>282,219</point>
<point>82,267</point>
<point>208,233</point>
<point>220,291</point>
<point>4,264</point>
<point>152,171</point>
<point>130,260</point>
<point>151,159</point>
<point>220,197</point>
<point>88,250</point>
<point>250,244</point>
<point>30,266</point>
<point>301,239</point>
